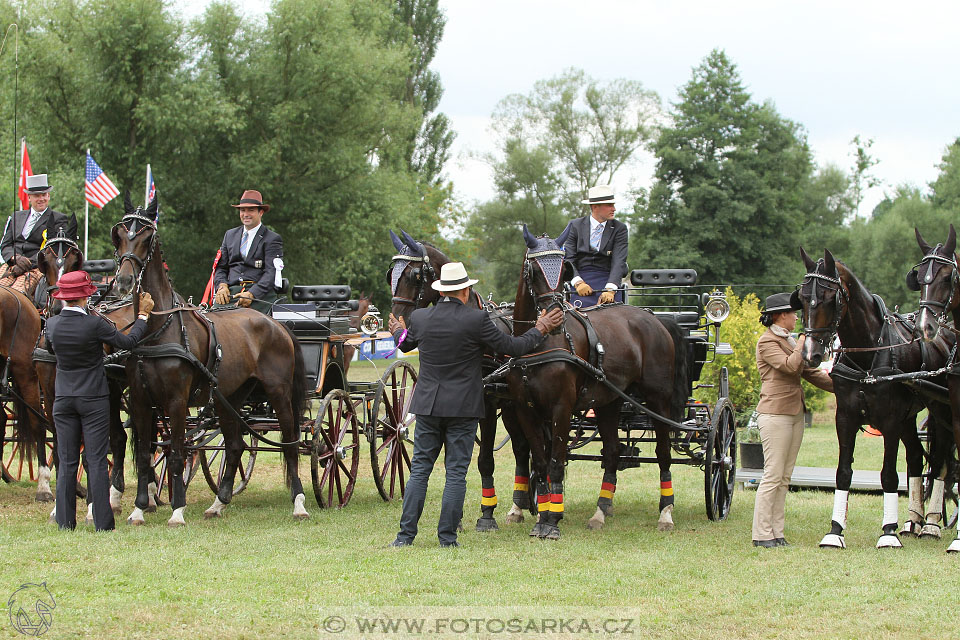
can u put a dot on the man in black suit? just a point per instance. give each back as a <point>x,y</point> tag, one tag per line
<point>251,258</point>
<point>82,405</point>
<point>25,234</point>
<point>596,247</point>
<point>448,398</point>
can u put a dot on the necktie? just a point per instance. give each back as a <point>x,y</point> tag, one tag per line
<point>595,237</point>
<point>243,245</point>
<point>31,221</point>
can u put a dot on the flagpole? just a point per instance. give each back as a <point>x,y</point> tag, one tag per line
<point>146,189</point>
<point>86,211</point>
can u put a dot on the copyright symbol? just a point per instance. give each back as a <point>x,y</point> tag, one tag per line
<point>334,624</point>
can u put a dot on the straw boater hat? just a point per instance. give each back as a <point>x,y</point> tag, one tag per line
<point>75,285</point>
<point>453,277</point>
<point>252,198</point>
<point>600,194</point>
<point>38,184</point>
<point>778,302</point>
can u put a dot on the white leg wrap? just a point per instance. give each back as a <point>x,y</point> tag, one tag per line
<point>515,514</point>
<point>43,480</point>
<point>215,510</point>
<point>890,509</point>
<point>152,495</point>
<point>840,508</point>
<point>936,502</point>
<point>833,541</point>
<point>176,520</point>
<point>136,518</point>
<point>915,486</point>
<point>115,497</point>
<point>954,546</point>
<point>299,511</point>
<point>89,513</point>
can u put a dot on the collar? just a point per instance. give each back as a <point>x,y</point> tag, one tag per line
<point>252,232</point>
<point>39,213</point>
<point>450,299</point>
<point>779,331</point>
<point>77,309</point>
<point>594,224</point>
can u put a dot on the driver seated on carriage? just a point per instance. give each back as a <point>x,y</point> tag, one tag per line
<point>251,259</point>
<point>26,233</point>
<point>596,248</point>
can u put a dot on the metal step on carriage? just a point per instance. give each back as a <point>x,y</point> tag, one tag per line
<point>706,438</point>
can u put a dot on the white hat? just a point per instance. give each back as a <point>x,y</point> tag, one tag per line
<point>38,184</point>
<point>600,194</point>
<point>453,277</point>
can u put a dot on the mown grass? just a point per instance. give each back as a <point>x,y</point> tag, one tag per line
<point>257,573</point>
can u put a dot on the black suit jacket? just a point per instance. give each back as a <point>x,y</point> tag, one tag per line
<point>452,338</point>
<point>77,340</point>
<point>51,221</point>
<point>258,266</point>
<point>611,255</point>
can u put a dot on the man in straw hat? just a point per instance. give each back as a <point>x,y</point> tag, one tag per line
<point>448,399</point>
<point>82,404</point>
<point>25,234</point>
<point>596,247</point>
<point>251,258</point>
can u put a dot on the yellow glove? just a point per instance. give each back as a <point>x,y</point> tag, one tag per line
<point>146,303</point>
<point>244,298</point>
<point>607,297</point>
<point>223,294</point>
<point>583,289</point>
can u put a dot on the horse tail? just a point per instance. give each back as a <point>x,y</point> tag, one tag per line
<point>681,369</point>
<point>29,429</point>
<point>298,398</point>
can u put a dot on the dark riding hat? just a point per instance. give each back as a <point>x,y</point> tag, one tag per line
<point>779,302</point>
<point>38,184</point>
<point>252,198</point>
<point>75,285</point>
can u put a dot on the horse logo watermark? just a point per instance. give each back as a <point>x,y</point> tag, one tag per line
<point>31,608</point>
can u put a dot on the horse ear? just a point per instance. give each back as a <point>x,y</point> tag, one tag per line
<point>153,209</point>
<point>829,262</point>
<point>127,202</point>
<point>397,242</point>
<point>42,263</point>
<point>115,237</point>
<point>528,238</point>
<point>913,280</point>
<point>926,248</point>
<point>951,245</point>
<point>562,238</point>
<point>795,300</point>
<point>417,248</point>
<point>807,261</point>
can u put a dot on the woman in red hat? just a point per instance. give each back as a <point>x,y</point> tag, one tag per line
<point>82,404</point>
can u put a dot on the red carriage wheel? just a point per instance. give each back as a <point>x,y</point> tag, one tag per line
<point>720,461</point>
<point>14,457</point>
<point>335,452</point>
<point>160,469</point>
<point>391,432</point>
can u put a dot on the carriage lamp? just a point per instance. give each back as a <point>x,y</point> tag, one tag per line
<point>370,323</point>
<point>716,308</point>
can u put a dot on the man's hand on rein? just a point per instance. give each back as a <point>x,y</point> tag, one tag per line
<point>223,294</point>
<point>394,324</point>
<point>607,297</point>
<point>146,303</point>
<point>244,298</point>
<point>583,289</point>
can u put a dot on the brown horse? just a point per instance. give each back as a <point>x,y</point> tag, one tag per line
<point>642,355</point>
<point>189,357</point>
<point>415,266</point>
<point>937,278</point>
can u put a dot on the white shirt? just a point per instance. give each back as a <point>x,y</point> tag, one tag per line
<point>27,227</point>
<point>251,234</point>
<point>75,308</point>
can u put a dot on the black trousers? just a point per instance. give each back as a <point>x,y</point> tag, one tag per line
<point>89,417</point>
<point>456,437</point>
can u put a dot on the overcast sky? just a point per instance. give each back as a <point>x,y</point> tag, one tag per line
<point>883,70</point>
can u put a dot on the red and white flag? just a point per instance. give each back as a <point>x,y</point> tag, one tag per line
<point>25,171</point>
<point>99,189</point>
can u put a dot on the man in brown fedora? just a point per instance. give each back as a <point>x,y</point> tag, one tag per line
<point>27,231</point>
<point>251,258</point>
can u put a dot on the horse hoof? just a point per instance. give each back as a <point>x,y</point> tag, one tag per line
<point>550,532</point>
<point>210,515</point>
<point>487,524</point>
<point>889,541</point>
<point>930,532</point>
<point>833,541</point>
<point>594,524</point>
<point>44,496</point>
<point>300,517</point>
<point>151,509</point>
<point>135,523</point>
<point>537,530</point>
<point>665,526</point>
<point>910,528</point>
<point>116,510</point>
<point>176,525</point>
<point>514,518</point>
<point>954,546</point>
<point>88,522</point>
<point>460,527</point>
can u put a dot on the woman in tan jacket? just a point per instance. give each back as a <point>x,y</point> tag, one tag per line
<point>780,412</point>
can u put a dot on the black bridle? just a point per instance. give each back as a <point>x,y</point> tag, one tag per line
<point>61,246</point>
<point>554,297</point>
<point>823,335</point>
<point>422,275</point>
<point>930,261</point>
<point>130,224</point>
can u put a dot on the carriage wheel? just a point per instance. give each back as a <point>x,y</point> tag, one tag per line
<point>160,469</point>
<point>14,458</point>
<point>213,462</point>
<point>389,434</point>
<point>720,461</point>
<point>951,502</point>
<point>335,452</point>
<point>80,469</point>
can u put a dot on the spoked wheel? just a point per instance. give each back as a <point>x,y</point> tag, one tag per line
<point>720,461</point>
<point>335,452</point>
<point>161,469</point>
<point>389,434</point>
<point>15,460</point>
<point>213,461</point>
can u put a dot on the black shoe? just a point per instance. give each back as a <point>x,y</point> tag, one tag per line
<point>399,543</point>
<point>766,544</point>
<point>782,542</point>
<point>453,544</point>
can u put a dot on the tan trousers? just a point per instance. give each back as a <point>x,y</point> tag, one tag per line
<point>781,436</point>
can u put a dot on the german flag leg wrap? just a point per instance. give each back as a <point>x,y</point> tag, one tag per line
<point>521,490</point>
<point>666,490</point>
<point>607,489</point>
<point>556,501</point>
<point>488,499</point>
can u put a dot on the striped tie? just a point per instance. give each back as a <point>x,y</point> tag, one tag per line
<point>243,245</point>
<point>31,221</point>
<point>595,237</point>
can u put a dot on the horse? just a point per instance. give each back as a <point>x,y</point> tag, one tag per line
<point>188,357</point>
<point>415,266</point>
<point>875,348</point>
<point>642,355</point>
<point>937,278</point>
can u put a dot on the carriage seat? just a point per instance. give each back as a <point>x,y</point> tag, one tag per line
<point>663,277</point>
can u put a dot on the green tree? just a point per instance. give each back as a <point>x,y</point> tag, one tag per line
<point>946,188</point>
<point>825,207</point>
<point>862,179</point>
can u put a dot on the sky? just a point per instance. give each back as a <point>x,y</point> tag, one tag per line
<point>886,71</point>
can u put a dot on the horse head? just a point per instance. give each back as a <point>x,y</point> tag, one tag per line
<point>544,270</point>
<point>822,297</point>
<point>412,270</point>
<point>59,256</point>
<point>937,279</point>
<point>135,242</point>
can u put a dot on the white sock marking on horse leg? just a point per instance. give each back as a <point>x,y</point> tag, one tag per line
<point>215,510</point>
<point>665,523</point>
<point>890,515</point>
<point>515,514</point>
<point>89,513</point>
<point>840,508</point>
<point>136,517</point>
<point>43,482</point>
<point>115,497</point>
<point>152,495</point>
<point>598,520</point>
<point>176,520</point>
<point>53,513</point>
<point>298,509</point>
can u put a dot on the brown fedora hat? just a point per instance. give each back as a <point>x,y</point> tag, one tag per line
<point>252,198</point>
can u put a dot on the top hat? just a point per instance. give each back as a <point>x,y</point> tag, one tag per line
<point>600,194</point>
<point>38,184</point>
<point>778,302</point>
<point>252,198</point>
<point>453,277</point>
<point>75,285</point>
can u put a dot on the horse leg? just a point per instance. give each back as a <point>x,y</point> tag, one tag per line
<point>290,430</point>
<point>847,429</point>
<point>485,465</point>
<point>664,456</point>
<point>176,409</point>
<point>913,524</point>
<point>890,482</point>
<point>521,474</point>
<point>551,516</point>
<point>118,447</point>
<point>607,420</point>
<point>233,447</point>
<point>34,432</point>
<point>143,428</point>
<point>936,432</point>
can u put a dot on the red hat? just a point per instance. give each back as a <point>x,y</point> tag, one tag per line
<point>75,285</point>
<point>252,198</point>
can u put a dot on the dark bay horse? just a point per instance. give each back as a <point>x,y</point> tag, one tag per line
<point>937,278</point>
<point>874,344</point>
<point>243,348</point>
<point>642,355</point>
<point>415,266</point>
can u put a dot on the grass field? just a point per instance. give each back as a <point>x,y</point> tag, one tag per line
<point>258,573</point>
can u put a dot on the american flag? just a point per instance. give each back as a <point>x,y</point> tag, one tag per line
<point>99,189</point>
